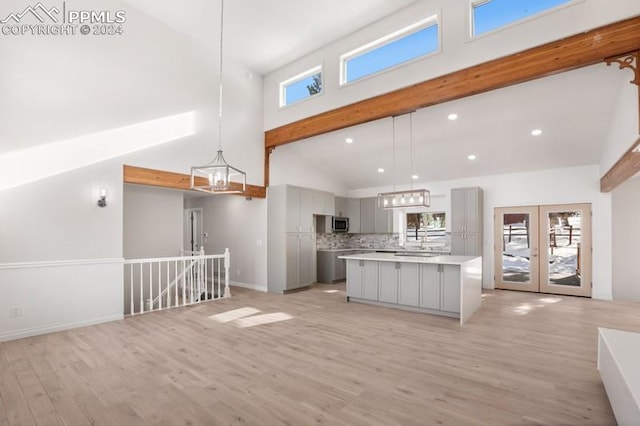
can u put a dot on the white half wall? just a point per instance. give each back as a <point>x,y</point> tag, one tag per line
<point>153,222</point>
<point>44,297</point>
<point>626,235</point>
<point>240,225</point>
<point>556,186</point>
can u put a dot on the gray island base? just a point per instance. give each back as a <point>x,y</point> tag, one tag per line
<point>442,285</point>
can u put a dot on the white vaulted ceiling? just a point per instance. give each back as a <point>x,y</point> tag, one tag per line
<point>574,110</point>
<point>265,35</point>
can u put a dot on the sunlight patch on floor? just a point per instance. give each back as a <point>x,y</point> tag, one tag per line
<point>331,291</point>
<point>525,308</point>
<point>234,314</point>
<point>262,319</point>
<point>550,299</point>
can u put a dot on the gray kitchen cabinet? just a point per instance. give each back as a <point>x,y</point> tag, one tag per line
<point>367,215</point>
<point>330,267</point>
<point>383,220</point>
<point>353,213</point>
<point>450,276</point>
<point>362,280</point>
<point>440,287</point>
<point>341,207</point>
<point>323,203</point>
<point>430,286</point>
<point>388,281</point>
<point>409,288</point>
<point>466,221</point>
<point>374,220</point>
<point>290,238</point>
<point>355,276</point>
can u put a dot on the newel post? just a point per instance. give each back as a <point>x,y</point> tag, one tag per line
<point>227,267</point>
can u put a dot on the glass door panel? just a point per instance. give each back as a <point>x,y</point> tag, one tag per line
<point>565,263</point>
<point>516,248</point>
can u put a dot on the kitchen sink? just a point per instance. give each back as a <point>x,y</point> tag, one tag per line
<point>417,254</point>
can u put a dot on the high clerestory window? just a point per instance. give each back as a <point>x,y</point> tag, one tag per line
<point>301,86</point>
<point>489,15</point>
<point>404,45</point>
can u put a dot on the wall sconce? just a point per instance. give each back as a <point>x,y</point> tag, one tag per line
<point>102,201</point>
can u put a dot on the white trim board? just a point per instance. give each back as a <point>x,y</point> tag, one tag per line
<point>35,331</point>
<point>61,263</point>
<point>255,287</point>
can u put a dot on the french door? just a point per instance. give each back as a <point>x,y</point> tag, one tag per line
<point>544,249</point>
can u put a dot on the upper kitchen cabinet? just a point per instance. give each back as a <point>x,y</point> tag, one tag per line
<point>353,213</point>
<point>466,221</point>
<point>466,210</point>
<point>323,203</point>
<point>298,207</point>
<point>341,207</point>
<point>374,220</point>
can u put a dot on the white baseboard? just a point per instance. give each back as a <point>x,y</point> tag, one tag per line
<point>36,331</point>
<point>255,287</point>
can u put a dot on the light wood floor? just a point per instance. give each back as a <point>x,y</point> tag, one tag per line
<point>522,359</point>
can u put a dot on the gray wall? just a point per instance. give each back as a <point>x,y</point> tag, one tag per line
<point>626,235</point>
<point>153,222</point>
<point>240,225</point>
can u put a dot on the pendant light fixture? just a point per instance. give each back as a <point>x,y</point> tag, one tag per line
<point>219,177</point>
<point>412,197</point>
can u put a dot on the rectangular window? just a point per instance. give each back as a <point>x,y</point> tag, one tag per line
<point>425,227</point>
<point>488,15</point>
<point>301,86</point>
<point>396,48</point>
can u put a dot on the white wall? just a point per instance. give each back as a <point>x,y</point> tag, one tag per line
<point>61,254</point>
<point>241,226</point>
<point>624,128</point>
<point>626,235</point>
<point>557,186</point>
<point>457,51</point>
<point>153,222</point>
<point>57,88</point>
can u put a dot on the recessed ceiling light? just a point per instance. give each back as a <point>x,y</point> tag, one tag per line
<point>349,140</point>
<point>414,177</point>
<point>536,132</point>
<point>380,170</point>
<point>471,157</point>
<point>453,117</point>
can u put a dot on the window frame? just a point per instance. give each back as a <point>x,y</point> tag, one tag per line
<point>431,20</point>
<point>405,228</point>
<point>283,85</point>
<point>475,3</point>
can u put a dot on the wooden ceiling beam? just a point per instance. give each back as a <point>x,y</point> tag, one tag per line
<point>626,167</point>
<point>172,180</point>
<point>563,55</point>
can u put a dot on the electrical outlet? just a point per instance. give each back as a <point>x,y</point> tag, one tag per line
<point>16,311</point>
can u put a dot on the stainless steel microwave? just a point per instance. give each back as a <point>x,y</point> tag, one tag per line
<point>340,224</point>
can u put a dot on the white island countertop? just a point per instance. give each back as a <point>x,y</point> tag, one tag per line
<point>391,257</point>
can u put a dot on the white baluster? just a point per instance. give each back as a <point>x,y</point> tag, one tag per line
<point>131,289</point>
<point>184,296</point>
<point>227,266</point>
<point>141,290</point>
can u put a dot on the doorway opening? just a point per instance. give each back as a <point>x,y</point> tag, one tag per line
<point>544,249</point>
<point>193,233</point>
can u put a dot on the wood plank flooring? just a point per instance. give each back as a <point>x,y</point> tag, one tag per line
<point>523,359</point>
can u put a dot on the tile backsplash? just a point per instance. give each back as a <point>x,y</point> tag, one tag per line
<point>332,241</point>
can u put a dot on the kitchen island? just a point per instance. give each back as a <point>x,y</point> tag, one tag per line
<point>441,284</point>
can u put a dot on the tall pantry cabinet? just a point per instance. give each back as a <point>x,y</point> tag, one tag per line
<point>291,237</point>
<point>466,221</point>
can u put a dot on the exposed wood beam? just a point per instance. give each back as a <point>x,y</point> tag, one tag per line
<point>563,55</point>
<point>152,177</point>
<point>626,167</point>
